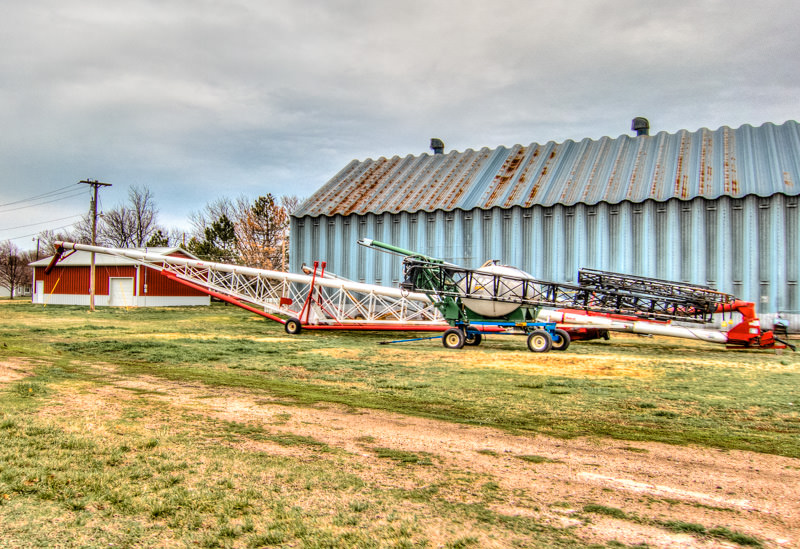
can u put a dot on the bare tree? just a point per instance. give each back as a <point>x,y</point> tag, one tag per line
<point>131,224</point>
<point>115,229</point>
<point>290,203</point>
<point>48,239</point>
<point>178,237</point>
<point>144,210</point>
<point>212,212</point>
<point>82,231</point>
<point>14,270</point>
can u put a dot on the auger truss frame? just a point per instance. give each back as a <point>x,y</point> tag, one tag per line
<point>312,299</point>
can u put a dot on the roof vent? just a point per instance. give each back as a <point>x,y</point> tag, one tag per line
<point>641,126</point>
<point>437,145</point>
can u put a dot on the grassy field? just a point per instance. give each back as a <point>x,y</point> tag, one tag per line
<point>99,451</point>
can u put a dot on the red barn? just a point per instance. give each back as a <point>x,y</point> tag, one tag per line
<point>119,282</point>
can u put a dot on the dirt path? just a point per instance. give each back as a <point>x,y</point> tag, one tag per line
<point>751,493</point>
<point>12,369</point>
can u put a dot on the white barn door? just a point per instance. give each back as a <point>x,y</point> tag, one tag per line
<point>120,292</point>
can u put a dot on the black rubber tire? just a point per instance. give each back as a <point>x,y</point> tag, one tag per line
<point>293,326</point>
<point>453,338</point>
<point>473,339</point>
<point>561,341</point>
<point>539,341</point>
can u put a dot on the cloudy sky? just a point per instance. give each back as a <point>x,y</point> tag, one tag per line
<point>199,99</point>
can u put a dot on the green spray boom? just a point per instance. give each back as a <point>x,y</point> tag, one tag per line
<point>384,247</point>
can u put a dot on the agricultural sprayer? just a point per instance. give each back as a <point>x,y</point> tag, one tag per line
<point>496,298</point>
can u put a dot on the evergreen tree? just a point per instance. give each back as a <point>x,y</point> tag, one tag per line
<point>219,243</point>
<point>158,240</point>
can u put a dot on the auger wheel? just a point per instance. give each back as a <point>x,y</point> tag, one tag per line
<point>293,326</point>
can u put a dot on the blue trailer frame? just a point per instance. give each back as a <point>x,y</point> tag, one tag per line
<point>542,336</point>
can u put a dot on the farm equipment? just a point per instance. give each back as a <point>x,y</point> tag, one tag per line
<point>474,302</point>
<point>505,299</point>
<point>465,304</point>
<point>314,301</point>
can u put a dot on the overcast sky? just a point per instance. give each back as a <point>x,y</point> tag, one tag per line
<point>199,99</point>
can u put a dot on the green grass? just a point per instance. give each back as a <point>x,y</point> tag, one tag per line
<point>402,456</point>
<point>532,458</point>
<point>209,496</point>
<point>696,393</point>
<point>605,510</point>
<point>153,472</point>
<point>682,527</point>
<point>719,532</point>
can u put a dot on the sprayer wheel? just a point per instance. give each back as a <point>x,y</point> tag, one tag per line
<point>473,338</point>
<point>539,341</point>
<point>561,341</point>
<point>453,338</point>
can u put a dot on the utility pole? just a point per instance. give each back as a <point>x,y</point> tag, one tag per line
<point>95,185</point>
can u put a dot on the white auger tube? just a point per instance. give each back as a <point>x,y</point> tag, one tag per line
<point>632,326</point>
<point>339,283</point>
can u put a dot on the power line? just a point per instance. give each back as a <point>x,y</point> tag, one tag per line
<point>53,192</point>
<point>38,233</point>
<point>45,202</point>
<point>40,223</point>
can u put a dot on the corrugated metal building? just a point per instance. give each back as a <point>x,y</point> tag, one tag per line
<point>119,282</point>
<point>716,207</point>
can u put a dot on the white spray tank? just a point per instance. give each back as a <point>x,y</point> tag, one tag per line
<point>485,283</point>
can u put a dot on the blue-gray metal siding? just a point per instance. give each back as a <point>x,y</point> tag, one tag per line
<point>746,246</point>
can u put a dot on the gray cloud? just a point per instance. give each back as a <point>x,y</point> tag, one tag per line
<point>199,99</point>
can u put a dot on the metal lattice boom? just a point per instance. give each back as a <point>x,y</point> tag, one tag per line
<point>602,292</point>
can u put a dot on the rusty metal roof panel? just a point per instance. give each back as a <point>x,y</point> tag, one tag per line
<point>748,160</point>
